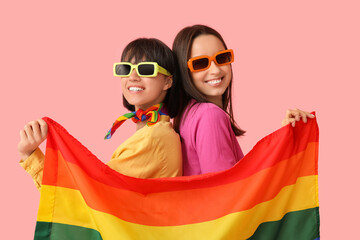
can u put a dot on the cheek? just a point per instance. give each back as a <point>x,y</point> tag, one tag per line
<point>158,83</point>
<point>227,70</point>
<point>198,77</point>
<point>123,85</point>
<point>123,82</point>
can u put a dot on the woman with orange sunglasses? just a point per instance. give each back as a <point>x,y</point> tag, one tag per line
<point>206,123</point>
<point>149,77</point>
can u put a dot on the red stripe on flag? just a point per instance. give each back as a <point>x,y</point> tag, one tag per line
<point>276,147</point>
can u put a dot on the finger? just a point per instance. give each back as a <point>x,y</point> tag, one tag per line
<point>310,115</point>
<point>296,114</point>
<point>29,132</point>
<point>293,113</point>
<point>36,130</point>
<point>288,113</point>
<point>287,121</point>
<point>23,136</point>
<point>43,128</point>
<point>303,116</point>
<point>284,122</point>
<point>292,121</point>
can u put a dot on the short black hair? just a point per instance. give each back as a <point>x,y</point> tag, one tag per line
<point>154,50</point>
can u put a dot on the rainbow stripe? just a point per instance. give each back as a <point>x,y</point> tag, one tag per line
<point>272,193</point>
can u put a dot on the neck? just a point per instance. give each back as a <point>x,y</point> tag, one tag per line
<point>140,125</point>
<point>217,100</point>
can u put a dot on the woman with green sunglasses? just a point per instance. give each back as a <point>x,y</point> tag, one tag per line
<point>148,73</point>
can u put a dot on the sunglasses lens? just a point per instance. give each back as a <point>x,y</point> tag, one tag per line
<point>122,69</point>
<point>224,58</point>
<point>146,69</point>
<point>200,63</point>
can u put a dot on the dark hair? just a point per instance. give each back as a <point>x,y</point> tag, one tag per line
<point>182,49</point>
<point>154,50</point>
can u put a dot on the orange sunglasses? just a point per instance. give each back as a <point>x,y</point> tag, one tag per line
<point>202,63</point>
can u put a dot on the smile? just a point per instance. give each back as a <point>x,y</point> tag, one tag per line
<point>135,89</point>
<point>214,81</point>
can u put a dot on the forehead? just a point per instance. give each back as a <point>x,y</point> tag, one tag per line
<point>134,59</point>
<point>206,45</point>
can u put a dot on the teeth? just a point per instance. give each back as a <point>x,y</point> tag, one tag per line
<point>214,81</point>
<point>135,89</point>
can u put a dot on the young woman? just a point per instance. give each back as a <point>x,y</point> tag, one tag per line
<point>206,124</point>
<point>148,73</point>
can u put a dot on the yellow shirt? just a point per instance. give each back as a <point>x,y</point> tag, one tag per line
<point>152,152</point>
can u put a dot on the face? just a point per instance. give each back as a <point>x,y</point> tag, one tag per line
<point>144,92</point>
<point>213,81</point>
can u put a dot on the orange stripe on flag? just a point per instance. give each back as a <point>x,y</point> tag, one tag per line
<point>269,182</point>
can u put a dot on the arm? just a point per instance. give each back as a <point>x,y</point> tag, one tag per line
<point>215,141</point>
<point>32,159</point>
<point>34,165</point>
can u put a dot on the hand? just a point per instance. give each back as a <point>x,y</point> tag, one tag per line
<point>33,134</point>
<point>294,115</point>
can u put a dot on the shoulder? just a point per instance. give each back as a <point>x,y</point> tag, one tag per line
<point>150,139</point>
<point>205,112</point>
<point>148,135</point>
<point>204,118</point>
<point>162,130</point>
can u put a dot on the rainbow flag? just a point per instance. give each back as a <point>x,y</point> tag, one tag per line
<point>272,193</point>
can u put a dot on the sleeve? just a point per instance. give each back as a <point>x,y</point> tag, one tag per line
<point>34,165</point>
<point>213,142</point>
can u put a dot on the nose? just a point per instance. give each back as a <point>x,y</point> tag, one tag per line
<point>134,76</point>
<point>214,69</point>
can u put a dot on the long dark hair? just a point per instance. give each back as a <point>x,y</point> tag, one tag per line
<point>182,48</point>
<point>154,50</point>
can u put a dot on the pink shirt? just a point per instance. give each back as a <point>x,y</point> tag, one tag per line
<point>207,140</point>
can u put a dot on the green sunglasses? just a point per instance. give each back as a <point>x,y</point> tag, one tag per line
<point>143,69</point>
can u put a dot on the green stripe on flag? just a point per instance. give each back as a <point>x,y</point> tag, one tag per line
<point>299,225</point>
<point>58,231</point>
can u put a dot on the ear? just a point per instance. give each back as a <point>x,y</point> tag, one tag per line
<point>168,83</point>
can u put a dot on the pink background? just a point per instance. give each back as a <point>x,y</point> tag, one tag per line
<point>56,61</point>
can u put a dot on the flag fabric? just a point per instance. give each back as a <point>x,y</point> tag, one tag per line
<point>272,193</point>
